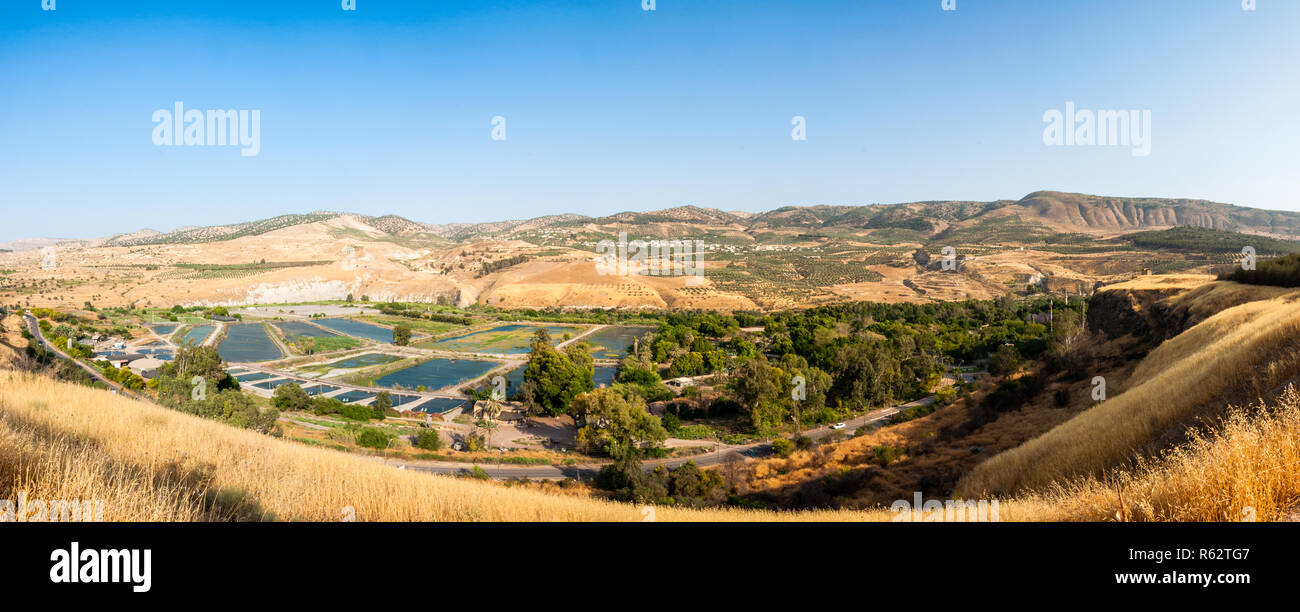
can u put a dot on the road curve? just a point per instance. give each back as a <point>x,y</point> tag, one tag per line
<point>34,327</point>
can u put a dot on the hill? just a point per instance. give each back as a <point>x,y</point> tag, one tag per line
<point>216,233</point>
<point>148,463</point>
<point>1204,425</point>
<point>1236,356</point>
<point>794,256</point>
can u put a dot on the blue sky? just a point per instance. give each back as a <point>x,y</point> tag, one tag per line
<point>388,109</point>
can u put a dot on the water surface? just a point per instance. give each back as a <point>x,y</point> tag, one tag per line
<point>358,329</point>
<point>248,343</point>
<point>437,373</point>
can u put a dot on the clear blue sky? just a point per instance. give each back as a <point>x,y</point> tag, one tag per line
<point>388,109</point>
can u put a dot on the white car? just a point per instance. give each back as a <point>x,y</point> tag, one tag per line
<point>838,426</point>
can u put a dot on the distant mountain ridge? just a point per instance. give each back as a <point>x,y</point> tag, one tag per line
<point>1041,212</point>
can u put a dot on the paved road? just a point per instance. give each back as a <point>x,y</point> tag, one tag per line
<point>718,456</point>
<point>34,327</point>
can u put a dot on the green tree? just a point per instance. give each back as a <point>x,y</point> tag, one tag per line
<point>552,379</point>
<point>402,335</point>
<point>383,403</point>
<point>290,396</point>
<point>428,440</point>
<point>371,437</point>
<point>614,425</point>
<point>1004,361</point>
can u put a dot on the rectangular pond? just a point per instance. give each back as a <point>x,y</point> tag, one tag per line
<point>164,354</point>
<point>319,389</point>
<point>399,400</point>
<point>248,343</point>
<point>514,339</point>
<point>614,342</point>
<point>197,335</point>
<point>358,329</point>
<point>354,396</point>
<point>271,385</point>
<point>439,405</point>
<point>253,377</point>
<point>437,373</point>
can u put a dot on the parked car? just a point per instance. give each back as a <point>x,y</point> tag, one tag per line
<point>838,426</point>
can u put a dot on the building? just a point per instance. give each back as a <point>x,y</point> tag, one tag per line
<point>146,367</point>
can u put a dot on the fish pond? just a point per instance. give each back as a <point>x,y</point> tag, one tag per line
<point>358,329</point>
<point>436,374</point>
<point>613,342</point>
<point>248,343</point>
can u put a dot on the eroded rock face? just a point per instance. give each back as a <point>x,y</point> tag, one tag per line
<point>1149,315</point>
<point>294,291</point>
<point>466,297</point>
<point>1116,313</point>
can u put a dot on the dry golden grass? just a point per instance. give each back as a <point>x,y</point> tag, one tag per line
<point>1248,468</point>
<point>1244,351</point>
<point>1205,300</point>
<point>1162,282</point>
<point>63,441</point>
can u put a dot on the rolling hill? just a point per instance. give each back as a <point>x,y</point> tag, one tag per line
<point>789,257</point>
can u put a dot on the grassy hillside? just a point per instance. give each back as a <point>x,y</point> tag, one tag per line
<point>63,441</point>
<point>1244,468</point>
<point>1237,355</point>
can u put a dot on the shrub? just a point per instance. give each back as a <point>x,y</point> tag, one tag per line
<point>1062,397</point>
<point>885,454</point>
<point>1004,361</point>
<point>671,422</point>
<point>290,396</point>
<point>373,438</point>
<point>782,447</point>
<point>383,402</point>
<point>428,440</point>
<point>355,412</point>
<point>322,405</point>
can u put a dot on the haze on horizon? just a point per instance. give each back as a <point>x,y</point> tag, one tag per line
<point>609,108</point>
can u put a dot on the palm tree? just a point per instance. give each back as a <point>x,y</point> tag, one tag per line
<point>491,411</point>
